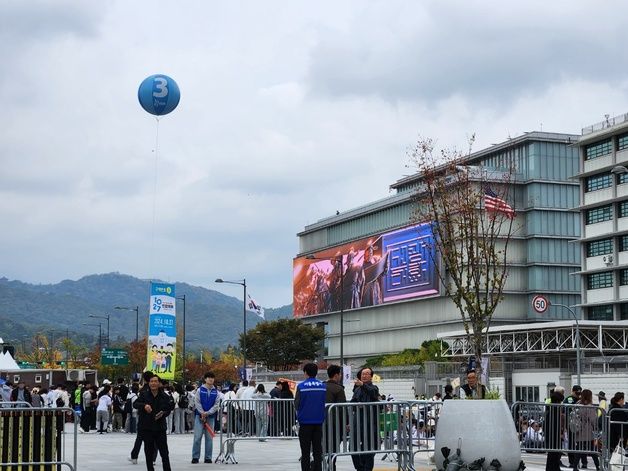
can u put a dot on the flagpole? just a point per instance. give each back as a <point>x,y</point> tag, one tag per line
<point>244,336</point>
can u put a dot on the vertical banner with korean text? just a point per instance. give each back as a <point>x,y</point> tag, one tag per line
<point>162,331</point>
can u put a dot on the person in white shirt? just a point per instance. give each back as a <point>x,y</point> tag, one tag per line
<point>534,437</point>
<point>131,417</point>
<point>179,412</point>
<point>103,409</point>
<point>229,410</point>
<point>247,407</point>
<point>190,390</point>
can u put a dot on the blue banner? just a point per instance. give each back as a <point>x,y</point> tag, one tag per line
<point>162,331</point>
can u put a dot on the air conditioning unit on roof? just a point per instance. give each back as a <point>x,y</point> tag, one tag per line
<point>76,375</point>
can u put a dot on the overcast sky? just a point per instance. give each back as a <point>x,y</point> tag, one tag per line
<point>289,111</point>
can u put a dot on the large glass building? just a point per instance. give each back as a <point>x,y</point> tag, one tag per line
<point>389,294</point>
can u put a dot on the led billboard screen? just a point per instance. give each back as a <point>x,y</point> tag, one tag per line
<point>390,267</point>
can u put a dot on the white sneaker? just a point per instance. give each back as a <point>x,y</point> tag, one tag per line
<point>132,460</point>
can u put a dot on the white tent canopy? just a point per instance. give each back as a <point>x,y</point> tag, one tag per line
<point>7,362</point>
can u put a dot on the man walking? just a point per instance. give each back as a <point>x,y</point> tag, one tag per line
<point>139,438</point>
<point>154,405</point>
<point>309,403</point>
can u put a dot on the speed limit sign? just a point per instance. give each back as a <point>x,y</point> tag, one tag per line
<point>540,303</point>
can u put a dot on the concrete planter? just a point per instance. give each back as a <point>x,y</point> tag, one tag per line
<point>485,429</point>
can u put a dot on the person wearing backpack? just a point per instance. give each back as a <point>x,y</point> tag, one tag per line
<point>584,427</point>
<point>130,412</point>
<point>574,458</point>
<point>118,409</point>
<point>181,403</point>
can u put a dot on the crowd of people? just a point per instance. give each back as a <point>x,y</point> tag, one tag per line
<point>154,408</point>
<point>577,430</point>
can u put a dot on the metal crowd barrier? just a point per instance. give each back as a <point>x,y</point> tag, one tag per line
<point>14,404</point>
<point>617,426</point>
<point>395,431</point>
<point>254,419</point>
<point>363,430</point>
<point>33,438</point>
<point>575,429</point>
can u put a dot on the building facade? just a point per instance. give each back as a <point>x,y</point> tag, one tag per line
<point>603,177</point>
<point>543,255</point>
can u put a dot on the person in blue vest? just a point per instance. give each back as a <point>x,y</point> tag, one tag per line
<point>206,405</point>
<point>309,403</point>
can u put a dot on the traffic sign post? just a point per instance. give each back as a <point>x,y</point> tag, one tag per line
<point>540,304</point>
<point>114,356</point>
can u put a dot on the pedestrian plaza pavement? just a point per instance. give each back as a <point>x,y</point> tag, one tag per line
<point>111,451</point>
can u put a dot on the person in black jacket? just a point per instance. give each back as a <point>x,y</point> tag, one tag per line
<point>154,406</point>
<point>336,424</point>
<point>21,393</point>
<point>554,428</point>
<point>617,414</point>
<point>365,423</point>
<point>135,452</point>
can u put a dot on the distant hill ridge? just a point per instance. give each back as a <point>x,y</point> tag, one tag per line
<point>27,308</point>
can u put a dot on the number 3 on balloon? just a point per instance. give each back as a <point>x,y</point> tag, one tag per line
<point>160,84</point>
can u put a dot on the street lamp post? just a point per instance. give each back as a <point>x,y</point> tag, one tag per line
<point>99,325</point>
<point>243,284</point>
<point>182,298</point>
<point>578,353</point>
<point>338,261</point>
<point>107,318</point>
<point>137,319</point>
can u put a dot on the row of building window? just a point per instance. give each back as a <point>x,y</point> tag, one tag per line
<point>605,312</point>
<point>601,181</point>
<point>598,182</point>
<point>605,147</point>
<point>605,246</point>
<point>605,213</point>
<point>605,279</point>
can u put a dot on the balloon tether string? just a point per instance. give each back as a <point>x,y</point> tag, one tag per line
<point>152,236</point>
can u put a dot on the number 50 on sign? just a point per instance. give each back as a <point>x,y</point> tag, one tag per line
<point>540,304</point>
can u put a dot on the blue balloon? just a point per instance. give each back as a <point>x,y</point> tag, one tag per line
<point>158,94</point>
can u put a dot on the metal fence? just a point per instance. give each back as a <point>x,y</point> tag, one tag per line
<point>362,430</point>
<point>33,437</point>
<point>398,431</point>
<point>393,431</point>
<point>579,431</point>
<point>254,419</point>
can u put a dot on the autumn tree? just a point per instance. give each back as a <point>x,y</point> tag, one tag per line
<point>282,344</point>
<point>471,238</point>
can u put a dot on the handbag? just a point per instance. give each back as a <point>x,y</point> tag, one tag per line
<point>616,463</point>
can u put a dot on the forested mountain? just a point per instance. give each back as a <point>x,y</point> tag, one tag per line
<point>212,318</point>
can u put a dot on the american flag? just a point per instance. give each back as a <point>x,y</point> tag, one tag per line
<point>256,308</point>
<point>492,202</point>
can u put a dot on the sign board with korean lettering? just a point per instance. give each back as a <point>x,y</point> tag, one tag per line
<point>114,356</point>
<point>162,331</point>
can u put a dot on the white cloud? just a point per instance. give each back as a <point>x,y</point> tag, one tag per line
<point>288,113</point>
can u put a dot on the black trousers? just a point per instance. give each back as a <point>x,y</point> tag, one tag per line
<point>85,419</point>
<point>583,457</point>
<point>553,461</point>
<point>311,440</point>
<point>154,441</point>
<point>135,452</point>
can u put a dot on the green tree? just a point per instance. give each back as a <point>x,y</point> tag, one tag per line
<point>470,244</point>
<point>432,350</point>
<point>283,344</point>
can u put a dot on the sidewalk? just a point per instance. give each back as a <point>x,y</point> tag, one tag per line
<point>110,452</point>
